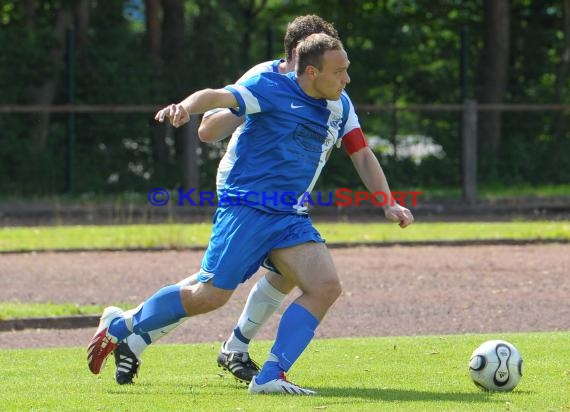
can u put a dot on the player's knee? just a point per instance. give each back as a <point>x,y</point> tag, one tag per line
<point>335,290</point>
<point>330,290</point>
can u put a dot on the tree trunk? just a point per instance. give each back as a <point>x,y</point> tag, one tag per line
<point>30,14</point>
<point>153,39</point>
<point>189,142</point>
<point>249,13</point>
<point>82,15</point>
<point>562,75</point>
<point>44,94</point>
<point>173,50</point>
<point>492,73</point>
<point>153,36</point>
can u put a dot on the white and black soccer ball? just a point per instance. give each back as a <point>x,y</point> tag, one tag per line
<point>496,365</point>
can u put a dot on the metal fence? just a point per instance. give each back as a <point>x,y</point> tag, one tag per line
<point>113,149</point>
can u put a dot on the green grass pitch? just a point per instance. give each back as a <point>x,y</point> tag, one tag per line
<point>427,373</point>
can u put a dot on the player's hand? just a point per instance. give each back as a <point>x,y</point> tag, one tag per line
<point>175,113</point>
<point>400,214</point>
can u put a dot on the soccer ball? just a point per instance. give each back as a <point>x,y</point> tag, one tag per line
<point>496,365</point>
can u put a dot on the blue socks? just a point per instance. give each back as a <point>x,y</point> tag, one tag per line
<point>118,328</point>
<point>161,309</point>
<point>270,370</point>
<point>296,329</point>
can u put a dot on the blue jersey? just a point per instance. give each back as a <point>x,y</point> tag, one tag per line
<point>227,162</point>
<point>285,144</point>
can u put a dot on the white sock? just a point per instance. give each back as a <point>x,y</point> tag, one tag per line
<point>262,302</point>
<point>158,334</point>
<point>136,343</point>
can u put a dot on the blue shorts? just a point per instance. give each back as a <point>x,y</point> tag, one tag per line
<point>242,238</point>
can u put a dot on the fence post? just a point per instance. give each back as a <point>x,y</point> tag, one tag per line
<point>469,140</point>
<point>190,162</point>
<point>70,65</point>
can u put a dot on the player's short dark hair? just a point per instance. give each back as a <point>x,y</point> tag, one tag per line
<point>311,50</point>
<point>302,27</point>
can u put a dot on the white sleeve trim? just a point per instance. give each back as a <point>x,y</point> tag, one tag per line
<point>251,102</point>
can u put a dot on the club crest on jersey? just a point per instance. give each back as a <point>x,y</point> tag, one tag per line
<point>335,123</point>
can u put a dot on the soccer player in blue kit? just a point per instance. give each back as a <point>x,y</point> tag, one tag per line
<point>293,122</point>
<point>267,295</point>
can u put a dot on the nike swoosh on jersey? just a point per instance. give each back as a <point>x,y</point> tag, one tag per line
<point>294,106</point>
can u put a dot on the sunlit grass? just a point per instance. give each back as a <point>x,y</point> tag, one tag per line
<point>13,309</point>
<point>175,236</point>
<point>426,373</point>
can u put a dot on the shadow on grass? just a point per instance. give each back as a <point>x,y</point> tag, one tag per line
<point>404,395</point>
<point>332,395</point>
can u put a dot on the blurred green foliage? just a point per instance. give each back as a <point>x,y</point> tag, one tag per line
<point>404,52</point>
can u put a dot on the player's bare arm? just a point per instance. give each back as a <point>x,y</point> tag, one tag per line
<point>197,103</point>
<point>372,175</point>
<point>218,125</point>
